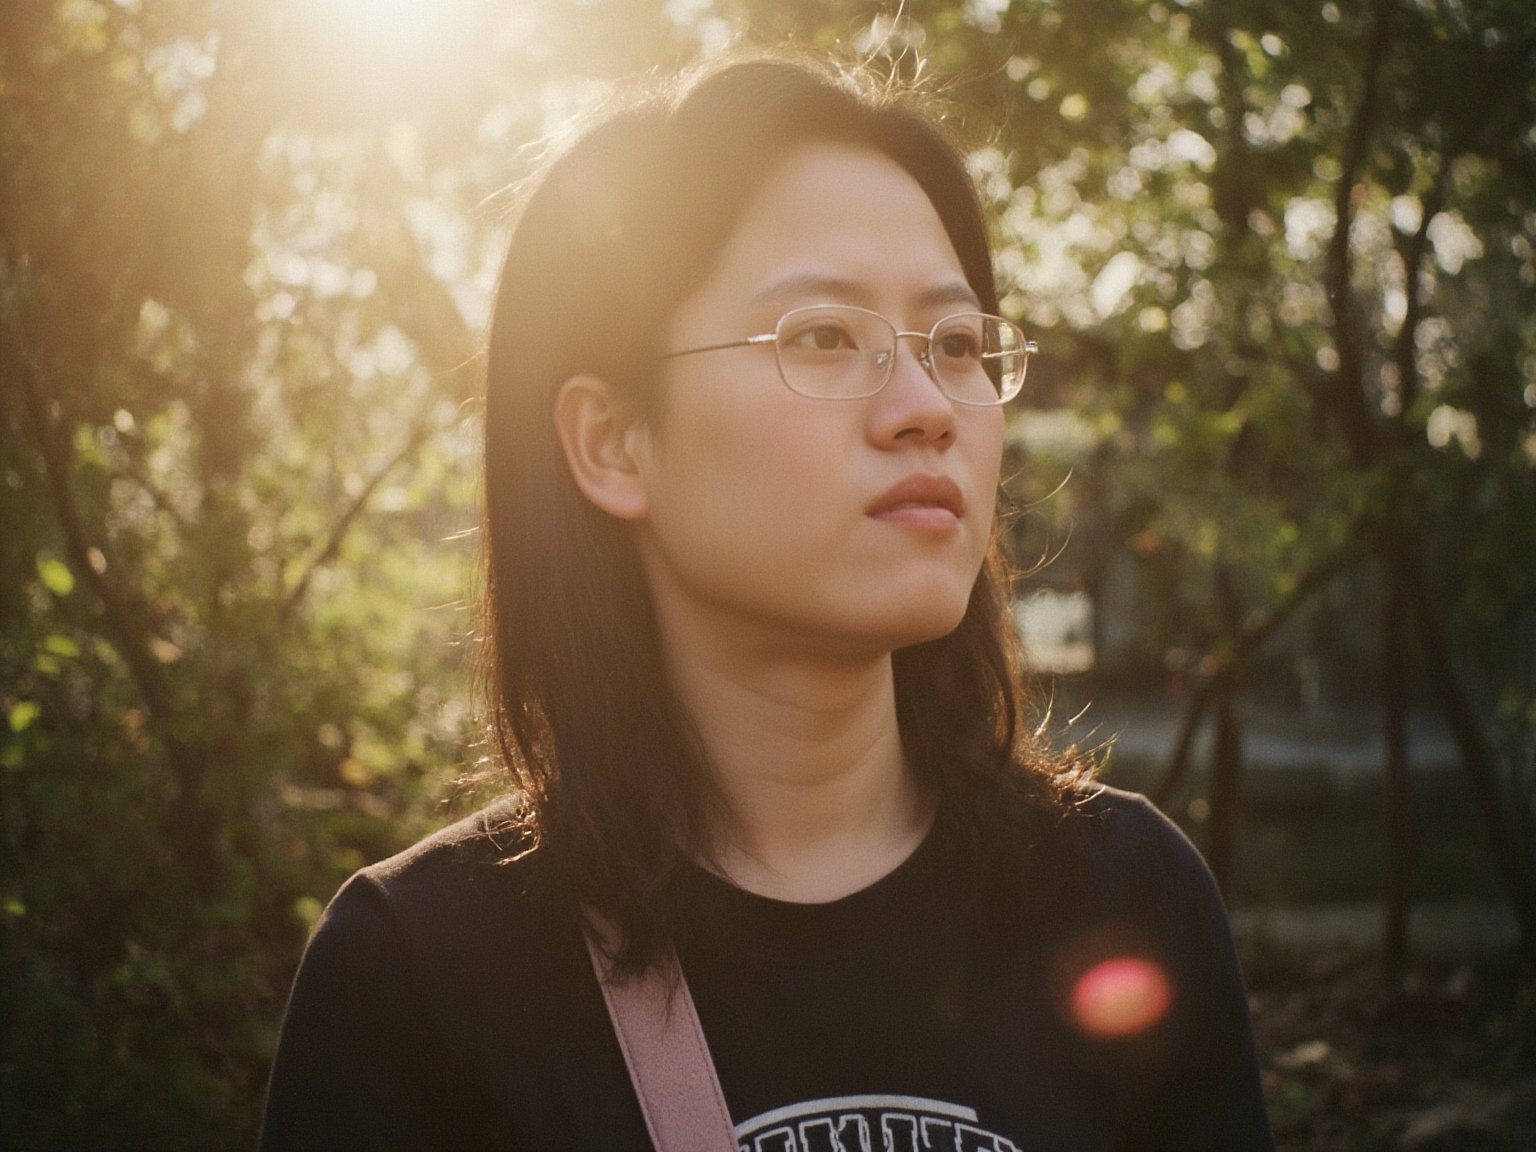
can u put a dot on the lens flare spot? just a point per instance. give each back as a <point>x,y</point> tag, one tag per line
<point>1120,996</point>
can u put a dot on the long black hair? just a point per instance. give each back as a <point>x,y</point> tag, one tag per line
<point>621,226</point>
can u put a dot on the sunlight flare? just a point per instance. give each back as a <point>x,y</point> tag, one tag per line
<point>391,24</point>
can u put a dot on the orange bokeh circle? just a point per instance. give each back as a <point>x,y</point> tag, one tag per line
<point>1121,996</point>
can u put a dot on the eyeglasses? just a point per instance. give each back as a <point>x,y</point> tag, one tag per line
<point>839,352</point>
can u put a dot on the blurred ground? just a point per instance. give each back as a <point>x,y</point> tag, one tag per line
<point>1441,1058</point>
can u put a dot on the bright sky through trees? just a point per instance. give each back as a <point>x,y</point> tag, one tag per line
<point>391,25</point>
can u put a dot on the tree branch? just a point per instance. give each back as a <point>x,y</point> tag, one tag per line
<point>1220,667</point>
<point>130,640</point>
<point>1414,250</point>
<point>1510,833</point>
<point>422,433</point>
<point>1349,394</point>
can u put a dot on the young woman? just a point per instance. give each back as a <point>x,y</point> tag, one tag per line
<point>752,672</point>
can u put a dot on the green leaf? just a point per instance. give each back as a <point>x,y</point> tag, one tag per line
<point>307,909</point>
<point>61,646</point>
<point>55,575</point>
<point>22,715</point>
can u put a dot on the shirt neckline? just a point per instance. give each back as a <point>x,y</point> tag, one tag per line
<point>721,917</point>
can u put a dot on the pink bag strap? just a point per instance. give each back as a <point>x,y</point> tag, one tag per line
<point>669,1064</point>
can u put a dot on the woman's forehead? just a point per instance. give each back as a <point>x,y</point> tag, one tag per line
<point>845,222</point>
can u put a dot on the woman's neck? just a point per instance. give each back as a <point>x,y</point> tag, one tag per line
<point>818,800</point>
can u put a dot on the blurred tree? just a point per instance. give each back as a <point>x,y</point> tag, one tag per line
<point>242,262</point>
<point>1287,255</point>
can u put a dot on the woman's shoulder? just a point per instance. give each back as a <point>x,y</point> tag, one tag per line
<point>483,870</point>
<point>1111,815</point>
<point>490,842</point>
<point>1118,817</point>
<point>1121,841</point>
<point>428,975</point>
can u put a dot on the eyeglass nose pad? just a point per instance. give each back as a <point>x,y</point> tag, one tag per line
<point>886,361</point>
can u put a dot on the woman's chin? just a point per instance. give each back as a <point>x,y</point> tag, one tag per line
<point>926,621</point>
<point>927,636</point>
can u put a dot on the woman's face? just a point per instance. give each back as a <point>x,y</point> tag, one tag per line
<point>841,527</point>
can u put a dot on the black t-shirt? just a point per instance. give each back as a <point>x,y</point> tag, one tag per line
<point>447,1001</point>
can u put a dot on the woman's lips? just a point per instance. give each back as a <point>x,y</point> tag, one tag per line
<point>920,501</point>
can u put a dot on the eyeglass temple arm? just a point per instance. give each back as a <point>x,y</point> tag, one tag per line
<point>765,338</point>
<point>1029,349</point>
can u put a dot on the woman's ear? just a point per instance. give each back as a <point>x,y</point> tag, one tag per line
<point>599,435</point>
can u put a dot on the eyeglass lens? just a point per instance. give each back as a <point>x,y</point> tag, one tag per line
<point>837,352</point>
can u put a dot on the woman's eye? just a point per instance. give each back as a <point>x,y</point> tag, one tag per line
<point>959,346</point>
<point>822,338</point>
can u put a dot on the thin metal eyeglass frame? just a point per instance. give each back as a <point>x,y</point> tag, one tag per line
<point>1027,348</point>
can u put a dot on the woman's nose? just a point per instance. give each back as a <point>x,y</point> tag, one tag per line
<point>912,405</point>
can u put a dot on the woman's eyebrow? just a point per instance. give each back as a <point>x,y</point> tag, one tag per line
<point>956,293</point>
<point>798,286</point>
